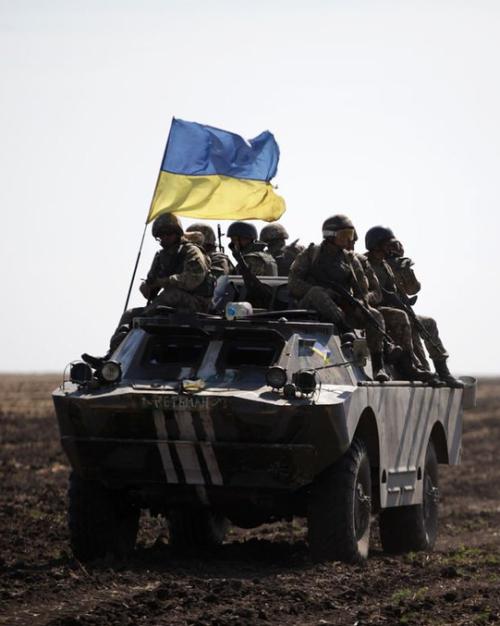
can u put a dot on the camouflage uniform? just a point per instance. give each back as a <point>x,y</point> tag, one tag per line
<point>283,254</point>
<point>308,281</point>
<point>397,321</point>
<point>221,265</point>
<point>260,263</point>
<point>182,273</point>
<point>409,285</point>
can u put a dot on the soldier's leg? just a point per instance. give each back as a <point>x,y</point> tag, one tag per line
<point>399,328</point>
<point>437,351</point>
<point>374,338</point>
<point>419,349</point>
<point>117,337</point>
<point>433,341</point>
<point>183,301</point>
<point>320,300</point>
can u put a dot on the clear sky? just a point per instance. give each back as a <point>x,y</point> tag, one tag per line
<point>386,111</point>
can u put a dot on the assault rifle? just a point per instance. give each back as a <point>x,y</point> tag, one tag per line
<point>260,294</point>
<point>402,301</point>
<point>365,311</point>
<point>219,239</point>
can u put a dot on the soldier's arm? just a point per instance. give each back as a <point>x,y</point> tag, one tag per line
<point>374,291</point>
<point>411,284</point>
<point>193,273</point>
<point>360,281</point>
<point>297,284</point>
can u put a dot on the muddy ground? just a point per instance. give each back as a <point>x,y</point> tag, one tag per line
<point>262,576</point>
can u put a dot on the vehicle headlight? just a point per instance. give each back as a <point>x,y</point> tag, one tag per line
<point>80,373</point>
<point>111,372</point>
<point>305,380</point>
<point>276,377</point>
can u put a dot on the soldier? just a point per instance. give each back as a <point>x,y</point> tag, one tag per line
<point>317,268</point>
<point>244,240</point>
<point>380,245</point>
<point>275,236</point>
<point>221,265</point>
<point>398,326</point>
<point>179,277</point>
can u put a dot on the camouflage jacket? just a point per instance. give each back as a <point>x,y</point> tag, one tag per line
<point>323,264</point>
<point>385,276</point>
<point>374,296</point>
<point>221,265</point>
<point>184,266</point>
<point>405,276</point>
<point>284,255</point>
<point>260,263</point>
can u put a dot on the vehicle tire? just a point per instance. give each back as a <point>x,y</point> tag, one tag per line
<point>414,528</point>
<point>100,521</point>
<point>196,528</point>
<point>339,512</point>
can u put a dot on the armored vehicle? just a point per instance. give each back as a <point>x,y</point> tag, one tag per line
<point>251,417</point>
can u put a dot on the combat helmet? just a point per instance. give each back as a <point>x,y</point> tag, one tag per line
<point>271,232</point>
<point>242,229</point>
<point>376,235</point>
<point>334,223</point>
<point>206,230</point>
<point>166,222</point>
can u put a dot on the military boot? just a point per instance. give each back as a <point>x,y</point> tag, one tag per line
<point>444,374</point>
<point>379,373</point>
<point>408,371</point>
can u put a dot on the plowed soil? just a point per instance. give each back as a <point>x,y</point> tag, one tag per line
<point>263,576</point>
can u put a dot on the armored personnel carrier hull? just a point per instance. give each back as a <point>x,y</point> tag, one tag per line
<point>253,420</point>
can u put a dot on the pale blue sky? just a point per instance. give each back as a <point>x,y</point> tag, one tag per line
<point>387,111</point>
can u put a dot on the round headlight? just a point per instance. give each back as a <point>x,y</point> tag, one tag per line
<point>276,377</point>
<point>80,373</point>
<point>305,381</point>
<point>111,372</point>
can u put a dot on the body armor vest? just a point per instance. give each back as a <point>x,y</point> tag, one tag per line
<point>329,266</point>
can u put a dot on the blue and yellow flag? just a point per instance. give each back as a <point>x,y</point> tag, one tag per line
<point>214,174</point>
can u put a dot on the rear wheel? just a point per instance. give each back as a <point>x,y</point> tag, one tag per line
<point>414,528</point>
<point>100,520</point>
<point>196,528</point>
<point>340,509</point>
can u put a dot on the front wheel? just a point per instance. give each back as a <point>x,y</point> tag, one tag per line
<point>100,520</point>
<point>414,528</point>
<point>339,512</point>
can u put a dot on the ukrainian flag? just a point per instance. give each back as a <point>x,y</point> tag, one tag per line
<point>211,173</point>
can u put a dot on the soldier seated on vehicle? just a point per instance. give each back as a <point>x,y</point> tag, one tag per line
<point>244,241</point>
<point>398,281</point>
<point>318,270</point>
<point>221,265</point>
<point>180,277</point>
<point>275,236</point>
<point>397,324</point>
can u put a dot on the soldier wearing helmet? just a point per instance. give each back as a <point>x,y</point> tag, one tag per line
<point>221,265</point>
<point>179,277</point>
<point>317,267</point>
<point>275,236</point>
<point>380,243</point>
<point>244,240</point>
<point>400,352</point>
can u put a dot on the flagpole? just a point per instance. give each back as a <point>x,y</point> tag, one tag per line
<point>146,224</point>
<point>135,267</point>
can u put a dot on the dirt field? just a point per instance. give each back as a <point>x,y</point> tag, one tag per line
<point>257,577</point>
